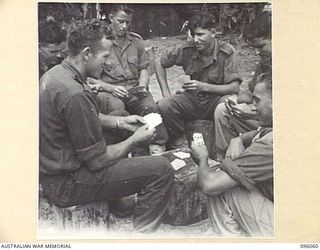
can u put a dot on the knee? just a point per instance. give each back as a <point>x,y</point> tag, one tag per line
<point>164,105</point>
<point>220,112</point>
<point>163,166</point>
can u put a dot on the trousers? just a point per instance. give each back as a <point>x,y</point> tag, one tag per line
<point>227,127</point>
<point>151,177</point>
<point>186,106</point>
<point>240,213</point>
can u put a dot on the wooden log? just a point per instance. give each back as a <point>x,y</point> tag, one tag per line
<point>206,128</point>
<point>188,203</point>
<point>84,217</point>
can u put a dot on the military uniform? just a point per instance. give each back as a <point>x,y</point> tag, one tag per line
<point>228,126</point>
<point>219,68</point>
<point>247,209</point>
<point>123,69</point>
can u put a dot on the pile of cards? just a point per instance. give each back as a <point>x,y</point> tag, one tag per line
<point>153,120</point>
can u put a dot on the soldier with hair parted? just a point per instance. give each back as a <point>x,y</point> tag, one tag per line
<point>213,74</point>
<point>77,165</point>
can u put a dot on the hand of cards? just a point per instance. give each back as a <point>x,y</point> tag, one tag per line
<point>153,120</point>
<point>198,138</point>
<point>139,91</point>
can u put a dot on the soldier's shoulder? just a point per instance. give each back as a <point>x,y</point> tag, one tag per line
<point>227,48</point>
<point>135,35</point>
<point>188,45</point>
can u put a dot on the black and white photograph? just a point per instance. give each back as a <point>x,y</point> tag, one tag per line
<point>155,120</point>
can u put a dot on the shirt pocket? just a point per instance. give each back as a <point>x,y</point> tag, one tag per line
<point>215,78</point>
<point>111,67</point>
<point>133,65</point>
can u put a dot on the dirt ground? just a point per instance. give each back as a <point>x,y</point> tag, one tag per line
<point>246,59</point>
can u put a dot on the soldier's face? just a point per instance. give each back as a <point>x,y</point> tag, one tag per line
<point>262,103</point>
<point>203,38</point>
<point>120,23</point>
<point>97,59</point>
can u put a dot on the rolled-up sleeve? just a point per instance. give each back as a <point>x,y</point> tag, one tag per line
<point>172,56</point>
<point>231,72</point>
<point>81,116</point>
<point>143,57</point>
<point>254,165</point>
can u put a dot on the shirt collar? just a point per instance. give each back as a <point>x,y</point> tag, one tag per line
<point>75,73</point>
<point>213,54</point>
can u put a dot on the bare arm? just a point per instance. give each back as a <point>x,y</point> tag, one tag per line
<point>118,151</point>
<point>161,74</point>
<point>225,89</point>
<point>144,78</point>
<point>131,122</point>
<point>214,181</point>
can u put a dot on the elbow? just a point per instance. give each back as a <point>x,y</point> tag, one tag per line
<point>99,162</point>
<point>206,186</point>
<point>235,87</point>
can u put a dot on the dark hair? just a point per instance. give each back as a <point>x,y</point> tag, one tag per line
<point>259,27</point>
<point>121,7</point>
<point>87,33</point>
<point>204,21</point>
<point>265,78</point>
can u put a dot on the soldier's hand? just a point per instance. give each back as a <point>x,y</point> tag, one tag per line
<point>143,135</point>
<point>199,152</point>
<point>243,111</point>
<point>119,91</point>
<point>235,148</point>
<point>195,85</point>
<point>98,85</point>
<point>131,122</point>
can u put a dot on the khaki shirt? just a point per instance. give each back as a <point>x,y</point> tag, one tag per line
<point>125,63</point>
<point>218,68</point>
<point>70,130</point>
<point>253,169</point>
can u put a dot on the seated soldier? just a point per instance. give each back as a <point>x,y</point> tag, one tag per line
<point>76,165</point>
<point>235,116</point>
<point>211,66</point>
<point>125,77</point>
<point>240,189</point>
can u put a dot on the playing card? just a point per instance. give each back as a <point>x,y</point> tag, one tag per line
<point>153,120</point>
<point>182,155</point>
<point>183,79</point>
<point>177,164</point>
<point>198,138</point>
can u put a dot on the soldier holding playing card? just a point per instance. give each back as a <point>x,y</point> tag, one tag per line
<point>125,78</point>
<point>240,189</point>
<point>213,74</point>
<point>76,164</point>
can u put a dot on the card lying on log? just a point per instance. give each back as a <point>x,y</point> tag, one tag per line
<point>177,164</point>
<point>182,155</point>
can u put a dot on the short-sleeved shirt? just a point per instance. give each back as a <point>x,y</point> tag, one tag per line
<point>219,68</point>
<point>125,63</point>
<point>70,130</point>
<point>253,169</point>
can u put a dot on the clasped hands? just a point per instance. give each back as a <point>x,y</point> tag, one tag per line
<point>240,110</point>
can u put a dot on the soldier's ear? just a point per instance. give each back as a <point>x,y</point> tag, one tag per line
<point>86,54</point>
<point>110,17</point>
<point>213,32</point>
